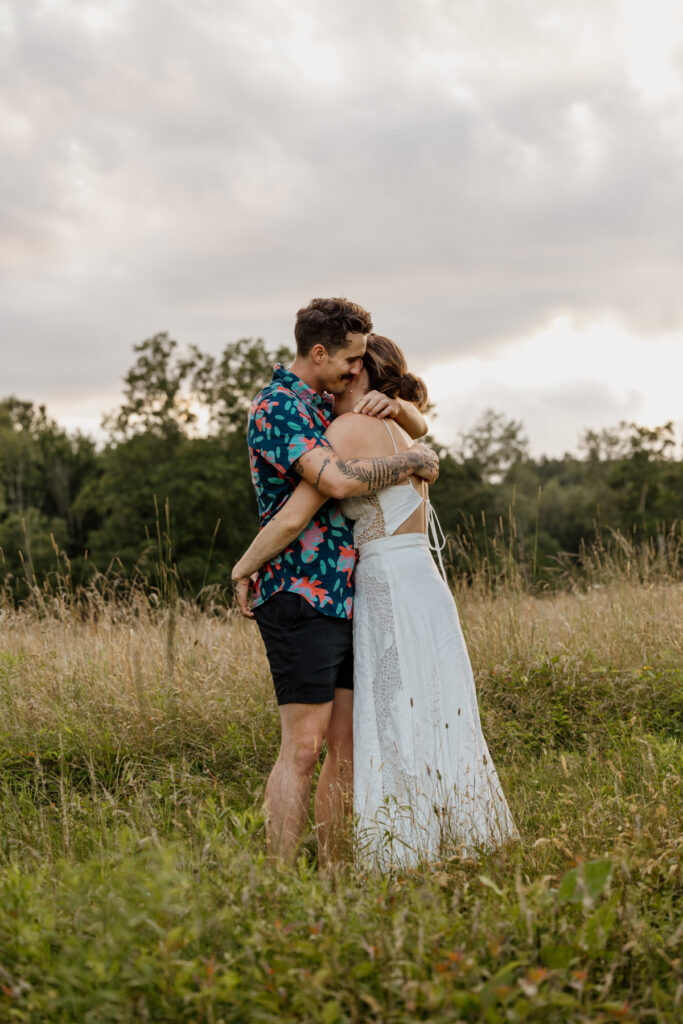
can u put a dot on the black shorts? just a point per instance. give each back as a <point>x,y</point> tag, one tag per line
<point>310,654</point>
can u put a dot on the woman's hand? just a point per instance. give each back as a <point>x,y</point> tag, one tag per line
<point>374,403</point>
<point>406,414</point>
<point>243,592</point>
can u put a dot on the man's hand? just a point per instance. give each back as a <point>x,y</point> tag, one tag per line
<point>242,591</point>
<point>374,403</point>
<point>429,470</point>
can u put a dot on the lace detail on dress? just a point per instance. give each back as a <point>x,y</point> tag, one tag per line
<point>386,683</point>
<point>367,528</point>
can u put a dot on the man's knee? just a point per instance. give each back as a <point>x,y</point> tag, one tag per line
<point>301,754</point>
<point>303,732</point>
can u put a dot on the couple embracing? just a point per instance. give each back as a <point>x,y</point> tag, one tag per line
<point>360,627</point>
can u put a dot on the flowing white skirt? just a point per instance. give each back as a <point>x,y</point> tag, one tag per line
<point>424,782</point>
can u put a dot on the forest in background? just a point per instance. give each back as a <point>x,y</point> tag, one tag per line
<point>171,488</point>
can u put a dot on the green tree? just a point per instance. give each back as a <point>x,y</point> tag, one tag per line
<point>495,444</point>
<point>155,392</point>
<point>226,386</point>
<point>640,470</point>
<point>151,460</point>
<point>41,470</point>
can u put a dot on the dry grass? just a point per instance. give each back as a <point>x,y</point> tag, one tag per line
<point>131,675</point>
<point>135,671</point>
<point>622,624</point>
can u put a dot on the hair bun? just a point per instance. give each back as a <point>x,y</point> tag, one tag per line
<point>413,389</point>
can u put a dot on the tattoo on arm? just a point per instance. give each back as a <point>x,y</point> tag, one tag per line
<point>325,462</point>
<point>379,473</point>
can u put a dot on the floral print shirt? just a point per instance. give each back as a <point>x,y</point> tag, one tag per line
<point>288,418</point>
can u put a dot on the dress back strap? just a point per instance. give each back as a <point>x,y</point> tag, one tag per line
<point>391,435</point>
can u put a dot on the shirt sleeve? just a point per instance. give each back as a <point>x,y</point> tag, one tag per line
<point>281,430</point>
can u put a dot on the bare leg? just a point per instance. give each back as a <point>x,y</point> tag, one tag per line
<point>334,795</point>
<point>289,787</point>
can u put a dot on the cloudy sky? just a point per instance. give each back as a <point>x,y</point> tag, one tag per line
<point>500,182</point>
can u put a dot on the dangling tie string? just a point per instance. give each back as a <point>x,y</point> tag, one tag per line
<point>436,540</point>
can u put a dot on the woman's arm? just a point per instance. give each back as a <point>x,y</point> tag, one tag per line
<point>406,414</point>
<point>411,419</point>
<point>276,535</point>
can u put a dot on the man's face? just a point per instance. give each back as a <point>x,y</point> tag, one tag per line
<point>344,365</point>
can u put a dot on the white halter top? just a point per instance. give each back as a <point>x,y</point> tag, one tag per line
<point>381,514</point>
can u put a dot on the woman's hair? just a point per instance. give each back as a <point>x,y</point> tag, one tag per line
<point>388,372</point>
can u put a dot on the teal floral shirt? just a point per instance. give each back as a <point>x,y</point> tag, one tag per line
<point>287,419</point>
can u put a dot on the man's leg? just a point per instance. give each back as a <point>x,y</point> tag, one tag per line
<point>334,794</point>
<point>288,791</point>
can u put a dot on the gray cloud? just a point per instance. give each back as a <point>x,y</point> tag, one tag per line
<point>553,418</point>
<point>467,171</point>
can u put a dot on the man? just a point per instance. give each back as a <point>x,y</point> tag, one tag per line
<point>303,598</point>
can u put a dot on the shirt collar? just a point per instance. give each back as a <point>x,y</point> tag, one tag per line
<point>287,379</point>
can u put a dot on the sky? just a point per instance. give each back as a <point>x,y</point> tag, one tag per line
<point>500,182</point>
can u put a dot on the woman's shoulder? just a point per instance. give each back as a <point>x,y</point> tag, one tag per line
<point>358,435</point>
<point>352,424</point>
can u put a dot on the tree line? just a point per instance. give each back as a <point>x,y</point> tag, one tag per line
<point>172,487</point>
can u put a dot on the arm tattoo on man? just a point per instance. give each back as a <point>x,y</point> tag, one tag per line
<point>325,462</point>
<point>379,473</point>
<point>296,466</point>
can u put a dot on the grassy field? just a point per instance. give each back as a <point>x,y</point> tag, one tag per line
<point>134,748</point>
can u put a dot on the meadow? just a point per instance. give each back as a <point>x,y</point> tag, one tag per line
<point>135,740</point>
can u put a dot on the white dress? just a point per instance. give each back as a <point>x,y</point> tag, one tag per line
<point>424,781</point>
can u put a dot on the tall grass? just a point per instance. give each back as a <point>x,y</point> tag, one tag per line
<point>495,556</point>
<point>136,734</point>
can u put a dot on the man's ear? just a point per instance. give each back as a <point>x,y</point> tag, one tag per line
<point>319,354</point>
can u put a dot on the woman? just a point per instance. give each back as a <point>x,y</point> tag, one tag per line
<point>423,777</point>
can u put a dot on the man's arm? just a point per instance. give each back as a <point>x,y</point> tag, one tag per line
<point>332,476</point>
<point>406,414</point>
<point>344,478</point>
<point>276,535</point>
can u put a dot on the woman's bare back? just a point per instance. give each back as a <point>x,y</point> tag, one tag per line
<point>355,436</point>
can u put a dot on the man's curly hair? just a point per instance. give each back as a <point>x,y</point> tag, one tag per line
<point>327,322</point>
